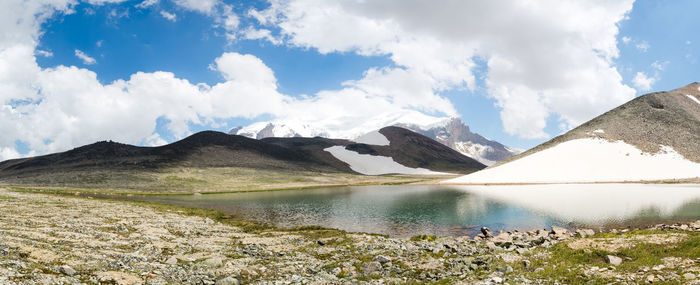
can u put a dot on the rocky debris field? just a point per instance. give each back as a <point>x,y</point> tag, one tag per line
<point>47,239</point>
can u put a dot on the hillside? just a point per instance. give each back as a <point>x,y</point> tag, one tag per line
<point>652,137</point>
<point>215,161</point>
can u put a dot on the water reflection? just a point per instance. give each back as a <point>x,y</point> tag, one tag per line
<point>449,210</point>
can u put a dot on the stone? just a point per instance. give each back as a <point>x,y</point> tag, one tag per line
<point>559,230</point>
<point>526,264</point>
<point>171,261</point>
<point>382,259</point>
<point>213,262</point>
<point>67,270</point>
<point>371,267</point>
<point>689,276</point>
<point>486,232</point>
<point>614,260</point>
<point>321,242</point>
<point>650,279</point>
<point>228,281</point>
<point>208,221</point>
<point>497,280</point>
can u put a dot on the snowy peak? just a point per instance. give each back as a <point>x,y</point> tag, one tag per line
<point>457,135</point>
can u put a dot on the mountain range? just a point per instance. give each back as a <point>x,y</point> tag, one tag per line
<point>391,150</point>
<point>650,138</point>
<point>451,132</point>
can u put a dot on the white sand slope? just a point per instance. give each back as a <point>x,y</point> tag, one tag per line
<point>373,138</point>
<point>587,160</point>
<point>374,164</point>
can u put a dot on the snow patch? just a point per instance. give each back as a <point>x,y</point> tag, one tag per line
<point>599,131</point>
<point>374,164</point>
<point>588,160</point>
<point>373,138</point>
<point>693,98</point>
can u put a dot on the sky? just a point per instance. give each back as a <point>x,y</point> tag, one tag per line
<point>152,72</point>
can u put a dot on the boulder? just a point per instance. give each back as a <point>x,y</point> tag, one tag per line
<point>614,260</point>
<point>371,267</point>
<point>67,270</point>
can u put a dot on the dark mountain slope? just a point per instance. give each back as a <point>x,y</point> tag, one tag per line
<point>204,149</point>
<point>416,150</point>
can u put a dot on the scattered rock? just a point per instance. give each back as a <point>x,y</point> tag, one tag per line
<point>526,264</point>
<point>371,267</point>
<point>67,270</point>
<point>171,261</point>
<point>321,242</point>
<point>614,260</point>
<point>689,276</point>
<point>382,259</point>
<point>208,221</point>
<point>228,281</point>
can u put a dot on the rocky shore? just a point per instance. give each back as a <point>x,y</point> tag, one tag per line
<point>46,239</point>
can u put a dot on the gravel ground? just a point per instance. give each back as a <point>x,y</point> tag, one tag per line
<point>47,239</point>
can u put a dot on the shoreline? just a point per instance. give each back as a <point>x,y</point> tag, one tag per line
<point>134,242</point>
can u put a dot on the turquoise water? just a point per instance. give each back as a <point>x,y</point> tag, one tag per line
<point>453,210</point>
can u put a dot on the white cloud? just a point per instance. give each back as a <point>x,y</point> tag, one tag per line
<point>643,82</point>
<point>146,4</point>
<point>84,57</point>
<point>559,59</point>
<point>660,65</point>
<point>99,43</point>
<point>260,34</point>
<point>102,2</point>
<point>643,46</point>
<point>559,64</point>
<point>169,16</point>
<point>202,6</point>
<point>626,40</point>
<point>44,53</point>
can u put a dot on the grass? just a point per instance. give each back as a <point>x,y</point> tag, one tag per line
<point>183,180</point>
<point>567,265</point>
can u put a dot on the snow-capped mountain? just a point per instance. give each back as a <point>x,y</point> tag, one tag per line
<point>456,134</point>
<point>451,132</point>
<point>650,138</point>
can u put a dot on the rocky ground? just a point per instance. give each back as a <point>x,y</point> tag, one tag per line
<point>47,239</point>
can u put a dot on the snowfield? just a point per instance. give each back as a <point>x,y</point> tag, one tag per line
<point>373,138</point>
<point>587,160</point>
<point>693,98</point>
<point>374,164</point>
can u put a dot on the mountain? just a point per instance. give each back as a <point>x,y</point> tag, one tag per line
<point>404,152</point>
<point>652,137</point>
<point>456,135</point>
<point>451,132</point>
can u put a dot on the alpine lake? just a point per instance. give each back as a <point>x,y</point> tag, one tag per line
<point>443,210</point>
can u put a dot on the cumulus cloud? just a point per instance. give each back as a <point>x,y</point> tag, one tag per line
<point>643,82</point>
<point>84,57</point>
<point>558,61</point>
<point>543,58</point>
<point>169,16</point>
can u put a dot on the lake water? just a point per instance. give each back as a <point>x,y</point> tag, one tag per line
<point>409,210</point>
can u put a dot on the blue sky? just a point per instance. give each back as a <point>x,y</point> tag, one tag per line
<point>650,45</point>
